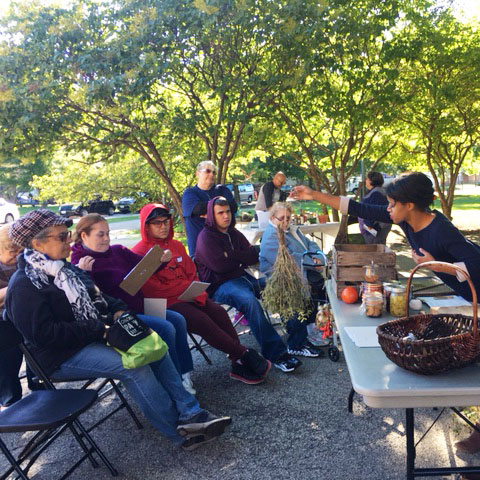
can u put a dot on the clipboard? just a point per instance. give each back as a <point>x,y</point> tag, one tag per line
<point>144,269</point>
<point>193,290</point>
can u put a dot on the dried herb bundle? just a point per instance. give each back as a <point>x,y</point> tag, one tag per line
<point>287,292</point>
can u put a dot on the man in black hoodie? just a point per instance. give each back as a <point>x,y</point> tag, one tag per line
<point>222,254</point>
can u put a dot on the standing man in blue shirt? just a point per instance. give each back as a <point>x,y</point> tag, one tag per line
<point>195,200</point>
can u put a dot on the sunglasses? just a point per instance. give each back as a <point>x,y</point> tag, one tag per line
<point>160,222</point>
<point>61,237</point>
<point>281,219</point>
<point>207,170</point>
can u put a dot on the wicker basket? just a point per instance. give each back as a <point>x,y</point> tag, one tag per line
<point>442,342</point>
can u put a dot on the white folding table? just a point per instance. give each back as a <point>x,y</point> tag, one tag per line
<point>382,384</point>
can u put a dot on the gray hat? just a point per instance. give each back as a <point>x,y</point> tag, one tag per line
<point>31,224</point>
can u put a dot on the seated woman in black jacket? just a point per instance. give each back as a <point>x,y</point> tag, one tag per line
<point>61,315</point>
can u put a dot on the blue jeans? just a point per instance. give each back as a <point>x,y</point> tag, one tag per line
<point>173,331</point>
<point>242,294</point>
<point>156,388</point>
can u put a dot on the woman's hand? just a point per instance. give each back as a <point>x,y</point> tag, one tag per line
<point>301,192</point>
<point>117,314</point>
<point>166,257</point>
<point>427,257</point>
<point>86,263</point>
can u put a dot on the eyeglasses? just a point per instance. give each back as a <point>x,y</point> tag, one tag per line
<point>281,219</point>
<point>61,237</point>
<point>207,170</point>
<point>157,223</point>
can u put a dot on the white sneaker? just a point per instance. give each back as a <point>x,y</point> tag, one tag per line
<point>188,384</point>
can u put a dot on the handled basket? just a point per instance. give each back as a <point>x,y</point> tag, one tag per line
<point>442,341</point>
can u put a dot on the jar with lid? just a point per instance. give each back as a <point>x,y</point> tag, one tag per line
<point>387,289</point>
<point>366,287</point>
<point>398,301</point>
<point>373,304</point>
<point>371,272</point>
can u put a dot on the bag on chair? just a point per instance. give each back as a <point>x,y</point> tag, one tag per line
<point>137,344</point>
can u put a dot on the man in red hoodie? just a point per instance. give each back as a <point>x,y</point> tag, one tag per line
<point>203,316</point>
<point>222,254</point>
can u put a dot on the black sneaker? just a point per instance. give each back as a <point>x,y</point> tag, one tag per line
<point>256,363</point>
<point>287,363</point>
<point>244,374</point>
<point>193,443</point>
<point>203,423</point>
<point>305,351</point>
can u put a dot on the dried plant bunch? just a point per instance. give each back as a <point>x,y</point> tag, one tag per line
<point>287,291</point>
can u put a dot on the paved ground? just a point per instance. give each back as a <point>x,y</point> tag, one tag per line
<point>295,426</point>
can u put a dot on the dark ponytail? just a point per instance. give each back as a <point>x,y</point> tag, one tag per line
<point>414,188</point>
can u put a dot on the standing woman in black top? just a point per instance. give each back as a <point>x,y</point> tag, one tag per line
<point>430,234</point>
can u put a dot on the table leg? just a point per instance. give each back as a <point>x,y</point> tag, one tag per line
<point>410,435</point>
<point>350,400</point>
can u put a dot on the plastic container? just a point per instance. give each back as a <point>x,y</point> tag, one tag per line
<point>398,301</point>
<point>371,272</point>
<point>373,304</point>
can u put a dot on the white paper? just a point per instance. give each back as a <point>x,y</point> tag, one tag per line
<point>363,336</point>
<point>193,290</point>
<point>450,301</point>
<point>156,307</point>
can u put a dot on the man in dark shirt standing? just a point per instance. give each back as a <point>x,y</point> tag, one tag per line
<point>269,194</point>
<point>195,199</point>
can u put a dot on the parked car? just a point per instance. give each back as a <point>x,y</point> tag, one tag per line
<point>105,207</point>
<point>245,190</point>
<point>8,211</point>
<point>124,205</point>
<point>26,200</point>
<point>353,184</point>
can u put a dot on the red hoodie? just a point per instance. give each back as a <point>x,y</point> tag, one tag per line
<point>179,272</point>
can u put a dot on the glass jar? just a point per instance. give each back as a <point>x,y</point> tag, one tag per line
<point>371,273</point>
<point>373,304</point>
<point>387,289</point>
<point>366,287</point>
<point>398,301</point>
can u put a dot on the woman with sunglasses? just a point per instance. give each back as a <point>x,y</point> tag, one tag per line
<point>64,318</point>
<point>204,317</point>
<point>297,244</point>
<point>430,234</point>
<point>108,265</point>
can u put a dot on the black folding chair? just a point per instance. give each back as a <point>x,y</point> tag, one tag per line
<point>48,412</point>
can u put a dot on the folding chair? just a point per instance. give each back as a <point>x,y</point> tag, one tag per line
<point>49,413</point>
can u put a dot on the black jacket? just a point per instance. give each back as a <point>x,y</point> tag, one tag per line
<point>45,318</point>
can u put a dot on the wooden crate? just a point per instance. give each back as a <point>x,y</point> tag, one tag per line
<point>348,261</point>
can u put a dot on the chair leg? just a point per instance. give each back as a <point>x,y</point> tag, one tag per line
<point>94,446</point>
<point>126,404</point>
<point>198,347</point>
<point>12,461</point>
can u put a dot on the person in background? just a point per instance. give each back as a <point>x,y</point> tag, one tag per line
<point>374,232</point>
<point>223,254</point>
<point>10,360</point>
<point>299,341</point>
<point>108,265</point>
<point>270,193</point>
<point>195,199</point>
<point>65,325</point>
<point>204,317</point>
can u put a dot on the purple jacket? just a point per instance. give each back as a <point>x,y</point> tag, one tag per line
<point>222,256</point>
<point>109,269</point>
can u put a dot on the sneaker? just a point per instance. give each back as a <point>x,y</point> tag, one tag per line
<point>188,384</point>
<point>239,318</point>
<point>203,423</point>
<point>194,442</point>
<point>319,350</point>
<point>304,352</point>
<point>244,374</point>
<point>256,363</point>
<point>287,363</point>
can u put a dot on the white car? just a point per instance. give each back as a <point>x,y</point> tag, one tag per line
<point>8,211</point>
